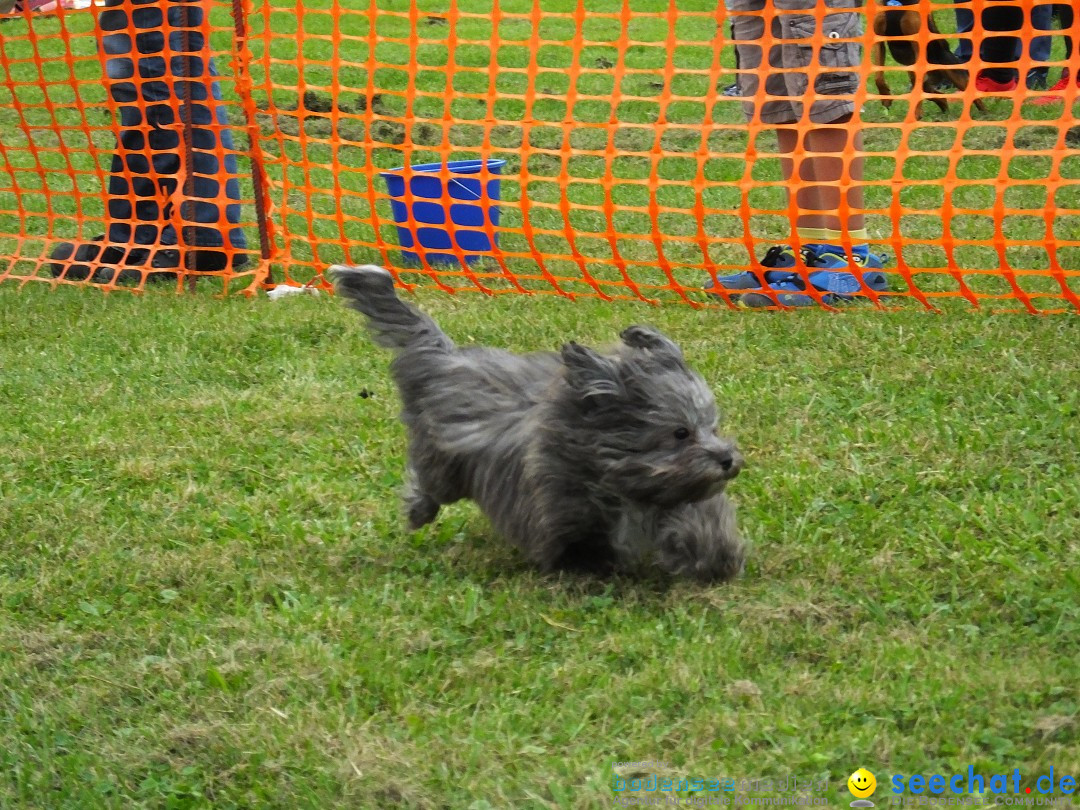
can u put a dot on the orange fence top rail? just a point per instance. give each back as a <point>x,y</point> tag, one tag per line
<point>570,147</point>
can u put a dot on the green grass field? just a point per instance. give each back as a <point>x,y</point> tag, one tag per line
<point>208,598</point>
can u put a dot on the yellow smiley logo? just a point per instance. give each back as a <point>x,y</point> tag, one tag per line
<point>862,784</point>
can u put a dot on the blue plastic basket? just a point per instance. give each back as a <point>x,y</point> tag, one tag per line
<point>438,229</point>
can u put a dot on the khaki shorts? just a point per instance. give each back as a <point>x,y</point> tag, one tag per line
<point>786,51</point>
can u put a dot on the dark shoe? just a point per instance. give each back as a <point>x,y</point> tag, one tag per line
<point>161,267</point>
<point>120,266</point>
<point>115,264</point>
<point>214,260</point>
<point>86,252</point>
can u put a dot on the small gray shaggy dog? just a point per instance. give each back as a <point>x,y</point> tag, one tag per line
<point>582,460</point>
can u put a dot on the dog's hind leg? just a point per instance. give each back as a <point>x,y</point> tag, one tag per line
<point>877,57</point>
<point>941,103</point>
<point>938,53</point>
<point>432,479</point>
<point>420,508</point>
<point>918,106</point>
<point>959,78</point>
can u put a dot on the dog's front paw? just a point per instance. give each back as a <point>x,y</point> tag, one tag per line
<point>701,541</point>
<point>420,508</point>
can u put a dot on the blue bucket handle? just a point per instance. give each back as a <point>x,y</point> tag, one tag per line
<point>459,183</point>
<point>403,169</point>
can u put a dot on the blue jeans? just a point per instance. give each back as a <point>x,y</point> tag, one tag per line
<point>1042,18</point>
<point>1010,49</point>
<point>154,163</point>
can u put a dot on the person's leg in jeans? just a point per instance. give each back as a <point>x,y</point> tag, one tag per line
<point>146,169</point>
<point>1065,16</point>
<point>1042,18</point>
<point>733,88</point>
<point>818,173</point>
<point>998,49</point>
<point>965,21</point>
<point>991,49</point>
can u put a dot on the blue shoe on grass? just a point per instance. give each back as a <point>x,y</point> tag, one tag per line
<point>779,256</point>
<point>829,272</point>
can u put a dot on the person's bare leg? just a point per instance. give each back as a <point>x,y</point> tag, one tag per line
<point>821,168</point>
<point>816,175</point>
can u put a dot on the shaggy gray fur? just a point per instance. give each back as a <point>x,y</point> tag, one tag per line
<point>580,459</point>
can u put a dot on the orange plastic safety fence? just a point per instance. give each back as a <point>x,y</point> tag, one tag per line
<point>594,146</point>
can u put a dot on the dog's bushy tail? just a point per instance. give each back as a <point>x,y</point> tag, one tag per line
<point>369,290</point>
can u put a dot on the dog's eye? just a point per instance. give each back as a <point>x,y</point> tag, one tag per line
<point>682,434</point>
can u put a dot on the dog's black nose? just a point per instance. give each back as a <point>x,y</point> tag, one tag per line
<point>731,461</point>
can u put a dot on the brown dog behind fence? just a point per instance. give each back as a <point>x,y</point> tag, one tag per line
<point>899,21</point>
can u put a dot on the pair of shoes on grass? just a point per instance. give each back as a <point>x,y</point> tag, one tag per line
<point>123,264</point>
<point>827,269</point>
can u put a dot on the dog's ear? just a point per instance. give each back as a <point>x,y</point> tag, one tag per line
<point>651,340</point>
<point>590,375</point>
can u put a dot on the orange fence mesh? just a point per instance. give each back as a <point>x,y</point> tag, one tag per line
<point>628,172</point>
